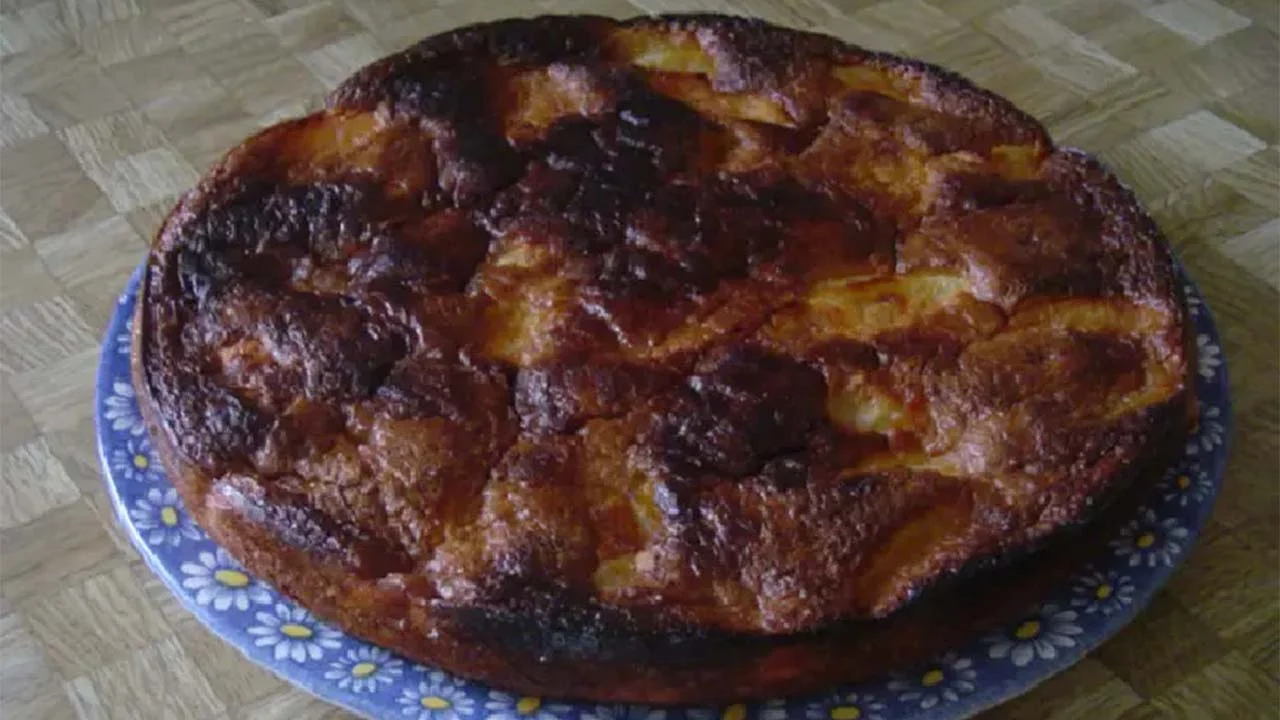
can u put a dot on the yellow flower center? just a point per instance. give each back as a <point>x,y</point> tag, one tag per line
<point>363,670</point>
<point>141,462</point>
<point>1146,540</point>
<point>1027,630</point>
<point>734,712</point>
<point>845,712</point>
<point>528,704</point>
<point>295,631</point>
<point>433,702</point>
<point>1103,592</point>
<point>1183,482</point>
<point>231,578</point>
<point>168,516</point>
<point>931,678</point>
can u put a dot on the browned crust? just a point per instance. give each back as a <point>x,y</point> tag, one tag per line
<point>537,630</point>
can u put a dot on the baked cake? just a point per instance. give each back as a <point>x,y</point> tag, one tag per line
<point>657,360</point>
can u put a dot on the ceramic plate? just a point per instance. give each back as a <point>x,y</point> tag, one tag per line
<point>277,634</point>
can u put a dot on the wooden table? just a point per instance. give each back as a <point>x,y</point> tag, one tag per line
<point>112,107</point>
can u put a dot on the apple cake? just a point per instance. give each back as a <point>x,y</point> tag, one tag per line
<point>655,360</point>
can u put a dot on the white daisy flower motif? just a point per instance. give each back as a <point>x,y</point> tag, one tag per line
<point>161,519</point>
<point>1098,593</point>
<point>134,462</point>
<point>1209,356</point>
<point>776,709</point>
<point>1188,486</point>
<point>945,681</point>
<point>1151,541</point>
<point>218,580</point>
<point>122,409</point>
<point>1039,636</point>
<point>124,342</point>
<point>845,706</point>
<point>364,669</point>
<point>436,698</point>
<point>1210,434</point>
<point>294,633</point>
<point>624,712</point>
<point>737,711</point>
<point>1193,300</point>
<point>504,706</point>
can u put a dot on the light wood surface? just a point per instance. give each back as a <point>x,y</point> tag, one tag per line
<point>110,108</point>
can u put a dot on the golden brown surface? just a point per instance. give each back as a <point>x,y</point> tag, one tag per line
<point>679,328</point>
<point>1182,110</point>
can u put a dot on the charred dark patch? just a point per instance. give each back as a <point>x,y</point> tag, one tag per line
<point>645,139</point>
<point>455,102</point>
<point>738,413</point>
<point>323,220</point>
<point>436,255</point>
<point>474,161</point>
<point>210,424</point>
<point>551,626</point>
<point>342,351</point>
<point>440,94</point>
<point>786,473</point>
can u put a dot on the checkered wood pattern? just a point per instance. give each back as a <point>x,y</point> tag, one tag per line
<point>110,108</point>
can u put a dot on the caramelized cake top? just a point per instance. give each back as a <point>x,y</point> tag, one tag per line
<point>701,318</point>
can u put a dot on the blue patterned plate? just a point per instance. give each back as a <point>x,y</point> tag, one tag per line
<point>368,680</point>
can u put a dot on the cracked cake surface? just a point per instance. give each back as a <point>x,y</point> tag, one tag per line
<point>624,360</point>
